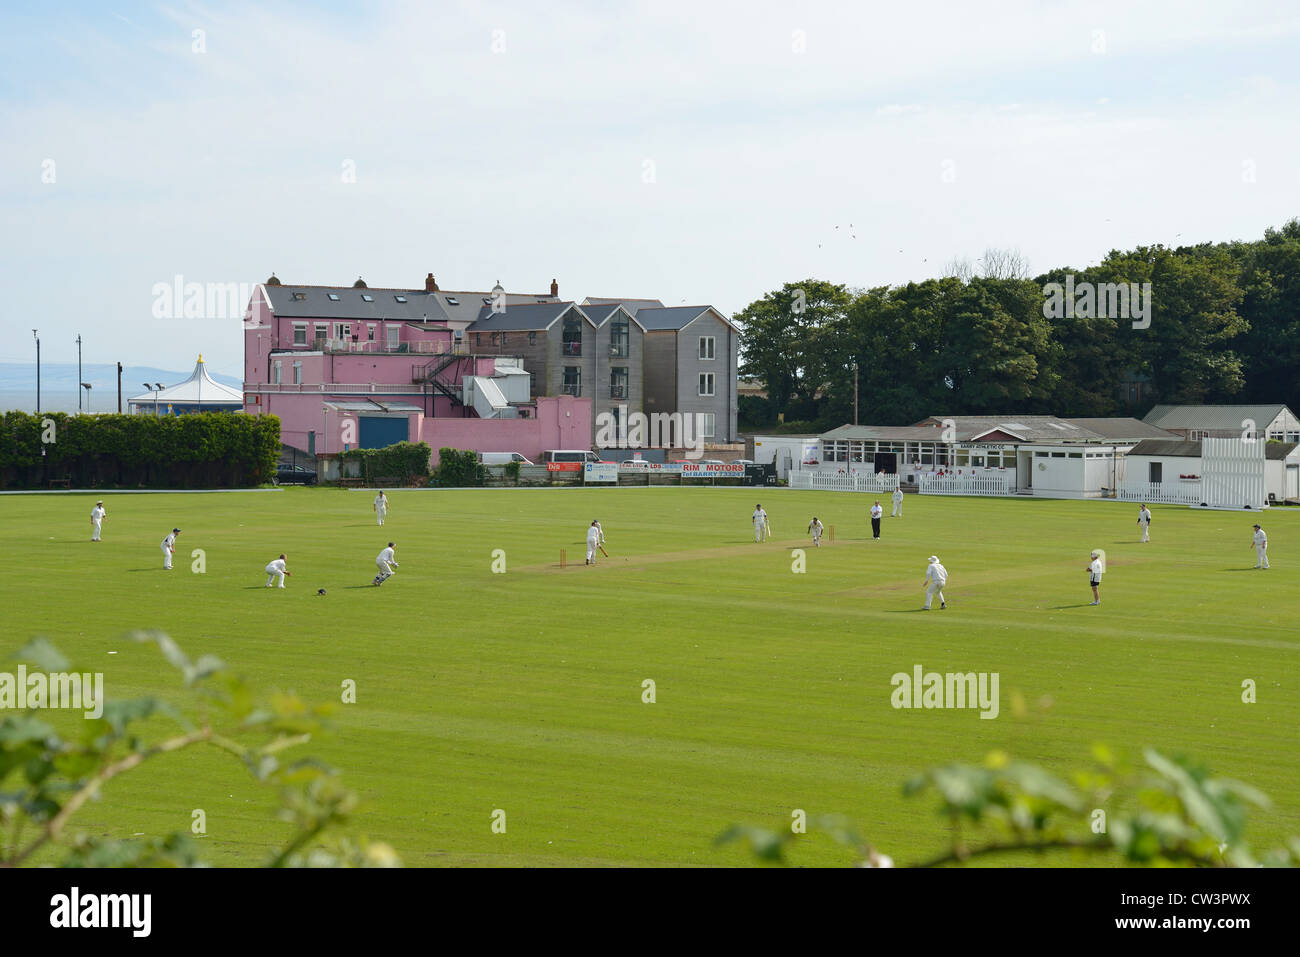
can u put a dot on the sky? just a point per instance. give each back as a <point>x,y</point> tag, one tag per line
<point>691,152</point>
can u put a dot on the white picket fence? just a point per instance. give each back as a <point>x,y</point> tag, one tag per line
<point>843,481</point>
<point>1165,493</point>
<point>968,483</point>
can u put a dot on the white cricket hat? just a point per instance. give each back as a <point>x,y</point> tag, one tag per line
<point>934,559</point>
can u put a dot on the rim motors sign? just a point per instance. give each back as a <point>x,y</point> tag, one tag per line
<point>704,470</point>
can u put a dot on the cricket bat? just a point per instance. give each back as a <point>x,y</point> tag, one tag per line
<point>602,550</point>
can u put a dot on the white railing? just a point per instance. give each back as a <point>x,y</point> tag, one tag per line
<point>333,388</point>
<point>842,481</point>
<point>1179,492</point>
<point>988,482</point>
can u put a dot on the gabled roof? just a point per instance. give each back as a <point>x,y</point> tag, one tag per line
<point>1122,429</point>
<point>1212,417</point>
<point>533,317</point>
<point>1172,447</point>
<point>603,312</point>
<point>199,389</point>
<point>631,305</point>
<point>675,317</point>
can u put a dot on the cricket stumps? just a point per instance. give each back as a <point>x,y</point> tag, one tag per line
<point>564,559</point>
<point>830,533</point>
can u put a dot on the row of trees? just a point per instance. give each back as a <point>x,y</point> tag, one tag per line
<point>210,450</point>
<point>1223,326</point>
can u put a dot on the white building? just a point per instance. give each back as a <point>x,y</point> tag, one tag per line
<point>1176,472</point>
<point>199,393</point>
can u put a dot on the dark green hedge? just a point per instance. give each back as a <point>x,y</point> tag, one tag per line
<point>402,461</point>
<point>207,450</point>
<point>458,468</point>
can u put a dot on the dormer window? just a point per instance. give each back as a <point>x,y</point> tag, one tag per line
<point>400,298</point>
<point>299,296</point>
<point>367,298</point>
<point>453,301</point>
<point>333,296</point>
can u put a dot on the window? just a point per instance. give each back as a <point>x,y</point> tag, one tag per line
<point>297,373</point>
<point>275,373</point>
<point>705,422</point>
<point>1154,472</point>
<point>322,331</point>
<point>333,296</point>
<point>342,330</point>
<point>300,333</point>
<point>299,297</point>
<point>394,336</point>
<point>532,383</point>
<point>706,383</point>
<point>478,339</point>
<point>494,338</point>
<point>453,301</point>
<point>706,348</point>
<point>571,334</point>
<point>400,298</point>
<point>573,380</point>
<point>371,330</point>
<point>618,382</point>
<point>1058,455</point>
<point>618,338</point>
<point>366,297</point>
<point>503,338</point>
<point>1076,455</point>
<point>532,338</point>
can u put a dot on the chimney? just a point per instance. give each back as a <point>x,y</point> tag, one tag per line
<point>430,284</point>
<point>555,289</point>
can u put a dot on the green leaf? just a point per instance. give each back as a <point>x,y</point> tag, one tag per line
<point>43,654</point>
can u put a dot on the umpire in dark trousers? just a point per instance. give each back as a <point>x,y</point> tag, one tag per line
<point>876,513</point>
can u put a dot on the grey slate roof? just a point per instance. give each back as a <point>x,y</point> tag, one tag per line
<point>631,305</point>
<point>1212,417</point>
<point>1031,428</point>
<point>1122,429</point>
<point>533,316</point>
<point>887,433</point>
<point>673,317</point>
<point>1190,449</point>
<point>436,306</point>
<point>1276,451</point>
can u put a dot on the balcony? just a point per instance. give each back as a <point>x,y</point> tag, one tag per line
<point>368,347</point>
<point>573,348</point>
<point>618,392</point>
<point>330,388</point>
<point>573,390</point>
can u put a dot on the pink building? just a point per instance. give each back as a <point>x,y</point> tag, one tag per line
<point>355,367</point>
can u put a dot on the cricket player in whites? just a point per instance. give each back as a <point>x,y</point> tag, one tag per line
<point>1095,570</point>
<point>96,517</point>
<point>381,506</point>
<point>276,570</point>
<point>1144,522</point>
<point>386,562</point>
<point>815,527</point>
<point>595,538</point>
<point>169,548</point>
<point>1260,541</point>
<point>898,503</point>
<point>936,576</point>
<point>761,528</point>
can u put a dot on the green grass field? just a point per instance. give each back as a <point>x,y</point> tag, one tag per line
<point>523,691</point>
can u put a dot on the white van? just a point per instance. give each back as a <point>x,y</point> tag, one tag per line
<point>569,455</point>
<point>502,458</point>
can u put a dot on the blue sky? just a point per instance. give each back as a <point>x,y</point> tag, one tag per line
<point>511,141</point>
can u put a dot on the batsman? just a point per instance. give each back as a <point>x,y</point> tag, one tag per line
<point>595,540</point>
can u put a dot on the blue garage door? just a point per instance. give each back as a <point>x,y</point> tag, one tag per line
<point>378,431</point>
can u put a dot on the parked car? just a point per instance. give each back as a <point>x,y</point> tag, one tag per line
<point>570,455</point>
<point>294,475</point>
<point>502,458</point>
<point>743,462</point>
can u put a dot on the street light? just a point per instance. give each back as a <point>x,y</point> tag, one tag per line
<point>86,386</point>
<point>37,337</point>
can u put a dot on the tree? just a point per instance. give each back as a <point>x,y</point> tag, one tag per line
<point>780,343</point>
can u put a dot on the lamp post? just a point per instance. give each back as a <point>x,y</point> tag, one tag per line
<point>37,337</point>
<point>119,388</point>
<point>855,391</point>
<point>86,386</point>
<point>79,375</point>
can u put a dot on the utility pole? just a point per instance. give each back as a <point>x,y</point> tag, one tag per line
<point>79,379</point>
<point>855,392</point>
<point>38,376</point>
<point>119,388</point>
